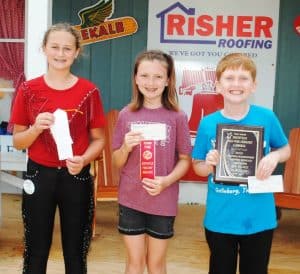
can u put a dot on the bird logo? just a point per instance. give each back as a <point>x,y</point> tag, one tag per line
<point>96,14</point>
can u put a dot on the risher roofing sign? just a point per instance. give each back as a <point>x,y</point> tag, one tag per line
<point>198,33</point>
<point>190,28</point>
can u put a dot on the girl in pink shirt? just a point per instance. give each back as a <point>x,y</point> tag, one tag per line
<point>148,206</point>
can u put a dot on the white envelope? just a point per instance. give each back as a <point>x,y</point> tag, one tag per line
<point>61,134</point>
<point>155,131</point>
<point>273,184</point>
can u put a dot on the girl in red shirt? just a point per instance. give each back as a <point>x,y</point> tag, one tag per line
<point>52,182</point>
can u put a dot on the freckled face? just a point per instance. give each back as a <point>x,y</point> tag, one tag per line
<point>151,79</point>
<point>60,50</point>
<point>236,85</point>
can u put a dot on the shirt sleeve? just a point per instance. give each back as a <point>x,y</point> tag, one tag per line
<point>278,138</point>
<point>119,131</point>
<point>97,118</point>
<point>19,113</point>
<point>201,143</point>
<point>183,140</point>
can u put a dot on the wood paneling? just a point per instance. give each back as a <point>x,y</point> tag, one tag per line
<point>287,91</point>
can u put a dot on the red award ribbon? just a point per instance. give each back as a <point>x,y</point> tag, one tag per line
<point>147,159</point>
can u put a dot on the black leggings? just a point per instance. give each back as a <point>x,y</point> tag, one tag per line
<point>253,250</point>
<point>74,196</point>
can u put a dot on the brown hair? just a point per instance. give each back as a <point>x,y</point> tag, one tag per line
<point>64,27</point>
<point>234,61</point>
<point>169,96</point>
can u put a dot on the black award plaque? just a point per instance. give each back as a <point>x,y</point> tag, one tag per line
<point>240,148</point>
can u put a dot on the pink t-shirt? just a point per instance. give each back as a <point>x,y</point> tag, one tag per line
<point>82,104</point>
<point>131,192</point>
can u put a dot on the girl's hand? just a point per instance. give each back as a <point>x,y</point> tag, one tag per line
<point>131,139</point>
<point>267,165</point>
<point>154,186</point>
<point>212,157</point>
<point>43,121</point>
<point>75,164</point>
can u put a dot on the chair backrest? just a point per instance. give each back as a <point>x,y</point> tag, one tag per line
<point>292,166</point>
<point>112,173</point>
<point>108,175</point>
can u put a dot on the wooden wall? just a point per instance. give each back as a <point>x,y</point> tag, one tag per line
<point>287,88</point>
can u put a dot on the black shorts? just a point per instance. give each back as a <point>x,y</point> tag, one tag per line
<point>134,222</point>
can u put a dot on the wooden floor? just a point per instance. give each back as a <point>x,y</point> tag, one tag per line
<point>188,252</point>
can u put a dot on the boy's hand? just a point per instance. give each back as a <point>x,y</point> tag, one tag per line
<point>267,165</point>
<point>212,157</point>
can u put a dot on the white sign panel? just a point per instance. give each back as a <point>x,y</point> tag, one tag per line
<point>199,33</point>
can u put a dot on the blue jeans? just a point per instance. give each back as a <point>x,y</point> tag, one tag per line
<point>74,197</point>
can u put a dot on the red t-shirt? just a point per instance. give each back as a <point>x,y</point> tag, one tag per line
<point>82,104</point>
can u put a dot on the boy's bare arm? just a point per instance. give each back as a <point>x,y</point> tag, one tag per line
<point>204,168</point>
<point>201,168</point>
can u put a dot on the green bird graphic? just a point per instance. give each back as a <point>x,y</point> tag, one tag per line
<point>95,14</point>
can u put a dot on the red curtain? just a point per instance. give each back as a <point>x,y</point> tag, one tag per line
<point>12,21</point>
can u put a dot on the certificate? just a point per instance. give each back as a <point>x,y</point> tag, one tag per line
<point>154,131</point>
<point>240,148</point>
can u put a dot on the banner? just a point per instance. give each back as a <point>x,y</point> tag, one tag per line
<point>199,33</point>
<point>97,25</point>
